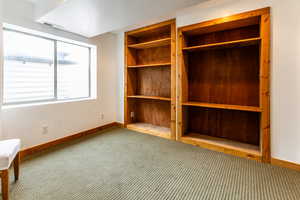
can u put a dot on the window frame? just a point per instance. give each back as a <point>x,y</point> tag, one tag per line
<point>55,99</point>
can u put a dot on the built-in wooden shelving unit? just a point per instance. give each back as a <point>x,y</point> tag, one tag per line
<point>224,85</point>
<point>150,73</point>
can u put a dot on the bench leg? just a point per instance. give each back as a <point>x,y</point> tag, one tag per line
<point>4,184</point>
<point>17,166</point>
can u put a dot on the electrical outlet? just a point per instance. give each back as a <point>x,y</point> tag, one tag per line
<point>45,130</point>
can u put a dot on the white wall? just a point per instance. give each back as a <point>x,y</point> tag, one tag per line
<point>120,76</point>
<point>62,119</point>
<point>1,62</point>
<point>285,66</point>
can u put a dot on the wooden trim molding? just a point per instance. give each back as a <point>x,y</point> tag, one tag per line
<point>285,164</point>
<point>35,149</point>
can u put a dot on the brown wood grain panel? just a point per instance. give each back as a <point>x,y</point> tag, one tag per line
<point>225,36</point>
<point>233,125</point>
<point>153,55</point>
<point>223,106</point>
<point>156,34</point>
<point>5,184</point>
<point>131,79</point>
<point>226,23</point>
<point>151,65</point>
<point>225,76</point>
<point>127,62</point>
<point>265,87</point>
<point>148,30</point>
<point>150,111</point>
<point>286,164</point>
<point>223,45</point>
<point>151,44</point>
<point>154,81</point>
<point>149,97</point>
<point>173,81</point>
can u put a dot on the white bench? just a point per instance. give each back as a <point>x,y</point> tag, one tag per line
<point>9,152</point>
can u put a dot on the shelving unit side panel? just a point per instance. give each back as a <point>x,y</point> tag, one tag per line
<point>265,87</point>
<point>173,80</point>
<point>126,117</point>
<point>182,83</point>
<point>131,82</point>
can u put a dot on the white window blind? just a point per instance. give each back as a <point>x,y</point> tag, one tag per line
<point>28,68</point>
<point>41,69</point>
<point>72,71</point>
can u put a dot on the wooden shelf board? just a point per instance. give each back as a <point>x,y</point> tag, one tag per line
<point>223,145</point>
<point>223,106</point>
<point>151,65</point>
<point>152,29</point>
<point>151,129</point>
<point>149,97</point>
<point>151,44</point>
<point>236,43</point>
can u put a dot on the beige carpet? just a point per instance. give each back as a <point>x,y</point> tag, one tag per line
<point>127,165</point>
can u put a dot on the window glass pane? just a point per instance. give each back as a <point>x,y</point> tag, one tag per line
<point>28,68</point>
<point>72,71</point>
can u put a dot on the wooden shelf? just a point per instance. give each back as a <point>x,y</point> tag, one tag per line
<point>230,44</point>
<point>223,106</point>
<point>150,129</point>
<point>151,65</point>
<point>151,44</point>
<point>223,145</point>
<point>149,97</point>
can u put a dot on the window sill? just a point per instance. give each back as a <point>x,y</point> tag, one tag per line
<point>4,107</point>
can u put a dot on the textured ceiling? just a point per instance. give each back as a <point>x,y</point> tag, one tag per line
<point>94,17</point>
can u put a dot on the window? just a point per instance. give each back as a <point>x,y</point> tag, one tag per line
<point>42,69</point>
<point>72,71</point>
